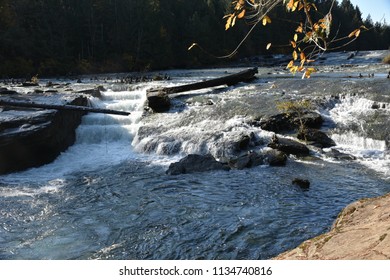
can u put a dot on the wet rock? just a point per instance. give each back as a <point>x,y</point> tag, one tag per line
<point>159,101</point>
<point>251,159</point>
<point>302,183</point>
<point>289,146</point>
<point>30,84</point>
<point>288,122</point>
<point>276,158</point>
<point>243,142</point>
<point>196,163</point>
<point>336,154</point>
<point>7,91</point>
<point>317,137</point>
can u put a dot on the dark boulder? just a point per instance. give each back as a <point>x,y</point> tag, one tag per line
<point>289,122</point>
<point>289,146</point>
<point>317,137</point>
<point>196,163</point>
<point>7,91</point>
<point>302,183</point>
<point>158,101</point>
<point>251,159</point>
<point>276,158</point>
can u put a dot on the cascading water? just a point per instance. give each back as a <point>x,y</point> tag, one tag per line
<point>362,129</point>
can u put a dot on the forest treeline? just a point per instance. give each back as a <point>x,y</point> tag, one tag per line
<point>61,37</point>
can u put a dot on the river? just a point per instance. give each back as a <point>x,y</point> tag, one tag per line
<point>108,197</point>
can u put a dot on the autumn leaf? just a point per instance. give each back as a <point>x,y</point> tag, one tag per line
<point>308,72</point>
<point>266,19</point>
<point>295,55</point>
<point>242,14</point>
<point>355,33</point>
<point>292,5</point>
<point>291,64</point>
<point>229,21</point>
<point>303,56</point>
<point>295,37</point>
<point>293,44</point>
<point>269,46</point>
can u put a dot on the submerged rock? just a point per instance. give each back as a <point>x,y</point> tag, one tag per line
<point>302,183</point>
<point>336,154</point>
<point>196,163</point>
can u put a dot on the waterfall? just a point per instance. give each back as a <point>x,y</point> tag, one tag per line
<point>102,128</point>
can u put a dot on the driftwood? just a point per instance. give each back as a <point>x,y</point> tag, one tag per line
<point>61,107</point>
<point>159,101</point>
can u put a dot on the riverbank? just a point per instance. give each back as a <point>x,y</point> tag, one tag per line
<point>361,232</point>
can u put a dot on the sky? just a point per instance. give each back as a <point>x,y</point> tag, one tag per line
<point>376,8</point>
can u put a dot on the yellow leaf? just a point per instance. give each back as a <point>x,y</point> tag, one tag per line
<point>308,72</point>
<point>234,21</point>
<point>355,33</point>
<point>269,46</point>
<point>242,14</point>
<point>296,37</point>
<point>293,5</point>
<point>295,55</point>
<point>291,64</point>
<point>266,19</point>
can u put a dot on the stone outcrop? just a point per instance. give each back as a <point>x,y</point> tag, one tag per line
<point>361,232</point>
<point>196,163</point>
<point>32,137</point>
<point>316,137</point>
<point>287,122</point>
<point>289,146</point>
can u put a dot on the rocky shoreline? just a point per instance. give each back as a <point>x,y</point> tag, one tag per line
<point>361,232</point>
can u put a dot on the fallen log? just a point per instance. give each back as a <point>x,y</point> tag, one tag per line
<point>159,101</point>
<point>61,107</point>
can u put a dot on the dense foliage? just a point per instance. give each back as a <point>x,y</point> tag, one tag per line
<point>56,37</point>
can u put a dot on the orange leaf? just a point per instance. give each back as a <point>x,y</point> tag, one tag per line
<point>355,33</point>
<point>303,56</point>
<point>242,14</point>
<point>293,44</point>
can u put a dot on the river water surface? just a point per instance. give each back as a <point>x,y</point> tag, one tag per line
<point>108,197</point>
